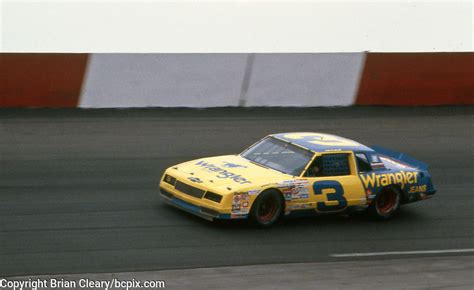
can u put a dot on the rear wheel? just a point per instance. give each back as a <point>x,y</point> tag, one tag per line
<point>267,208</point>
<point>386,204</point>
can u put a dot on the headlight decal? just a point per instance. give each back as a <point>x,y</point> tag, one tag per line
<point>169,179</point>
<point>213,196</point>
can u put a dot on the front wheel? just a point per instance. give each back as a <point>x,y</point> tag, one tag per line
<point>267,208</point>
<point>386,204</point>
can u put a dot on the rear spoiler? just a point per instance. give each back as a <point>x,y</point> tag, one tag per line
<point>404,158</point>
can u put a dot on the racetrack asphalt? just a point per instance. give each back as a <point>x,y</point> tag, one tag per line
<point>78,188</point>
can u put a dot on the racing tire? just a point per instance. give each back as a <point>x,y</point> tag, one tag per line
<point>267,209</point>
<point>386,204</point>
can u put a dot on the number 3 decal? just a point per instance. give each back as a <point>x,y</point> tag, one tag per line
<point>322,139</point>
<point>337,195</point>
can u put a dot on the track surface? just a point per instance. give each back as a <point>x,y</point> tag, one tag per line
<point>78,188</point>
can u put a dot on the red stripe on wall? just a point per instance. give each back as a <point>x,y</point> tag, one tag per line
<point>41,80</point>
<point>402,79</point>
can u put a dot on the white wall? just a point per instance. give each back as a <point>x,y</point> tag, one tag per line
<point>215,80</point>
<point>163,80</point>
<point>305,79</point>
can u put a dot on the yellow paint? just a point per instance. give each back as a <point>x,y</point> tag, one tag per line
<point>216,175</point>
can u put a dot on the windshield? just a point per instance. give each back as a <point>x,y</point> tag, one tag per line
<point>279,155</point>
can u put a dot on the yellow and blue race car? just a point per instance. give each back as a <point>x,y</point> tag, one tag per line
<point>297,173</point>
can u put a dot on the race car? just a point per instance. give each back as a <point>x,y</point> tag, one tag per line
<point>297,173</point>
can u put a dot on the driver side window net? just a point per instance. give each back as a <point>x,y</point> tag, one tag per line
<point>329,165</point>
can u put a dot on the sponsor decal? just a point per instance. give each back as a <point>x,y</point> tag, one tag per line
<point>254,192</point>
<point>238,216</point>
<point>299,206</point>
<point>241,203</point>
<point>195,179</point>
<point>296,193</point>
<point>222,173</point>
<point>377,180</point>
<point>417,189</point>
<point>295,189</point>
<point>293,183</point>
<point>233,165</point>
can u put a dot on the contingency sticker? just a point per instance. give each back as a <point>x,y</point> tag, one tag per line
<point>254,192</point>
<point>295,189</point>
<point>298,206</point>
<point>241,203</point>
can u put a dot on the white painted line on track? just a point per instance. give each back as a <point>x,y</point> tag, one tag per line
<point>402,253</point>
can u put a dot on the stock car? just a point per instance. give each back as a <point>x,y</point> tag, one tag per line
<point>297,173</point>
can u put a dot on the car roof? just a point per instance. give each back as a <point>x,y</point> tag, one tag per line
<point>321,142</point>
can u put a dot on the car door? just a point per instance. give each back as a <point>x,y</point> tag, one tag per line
<point>334,182</point>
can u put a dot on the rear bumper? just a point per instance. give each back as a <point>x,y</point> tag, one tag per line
<point>418,196</point>
<point>200,211</point>
<point>427,195</point>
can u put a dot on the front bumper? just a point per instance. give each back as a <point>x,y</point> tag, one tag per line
<point>200,211</point>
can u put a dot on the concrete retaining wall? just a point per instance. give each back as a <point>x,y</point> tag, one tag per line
<point>216,80</point>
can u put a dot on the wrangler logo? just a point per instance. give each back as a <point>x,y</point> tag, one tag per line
<point>402,178</point>
<point>222,173</point>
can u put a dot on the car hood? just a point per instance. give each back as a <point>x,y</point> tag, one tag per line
<point>227,173</point>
